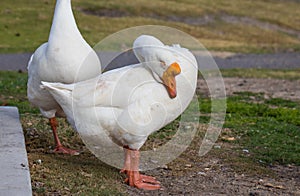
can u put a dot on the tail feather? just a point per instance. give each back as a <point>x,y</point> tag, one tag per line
<point>62,93</point>
<point>57,86</point>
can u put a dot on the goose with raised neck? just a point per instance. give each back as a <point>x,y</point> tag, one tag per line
<point>65,58</point>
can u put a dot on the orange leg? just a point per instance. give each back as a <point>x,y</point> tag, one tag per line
<point>134,178</point>
<point>126,167</point>
<point>59,147</point>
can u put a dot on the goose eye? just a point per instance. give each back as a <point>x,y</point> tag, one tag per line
<point>163,63</point>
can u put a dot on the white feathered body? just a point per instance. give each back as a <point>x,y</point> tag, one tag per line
<point>126,104</point>
<point>65,58</point>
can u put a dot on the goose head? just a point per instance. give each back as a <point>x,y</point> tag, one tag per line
<point>160,59</point>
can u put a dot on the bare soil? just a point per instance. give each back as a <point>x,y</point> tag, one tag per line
<point>214,175</point>
<point>271,88</point>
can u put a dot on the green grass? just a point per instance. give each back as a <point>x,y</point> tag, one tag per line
<point>268,128</point>
<point>80,175</point>
<point>13,87</point>
<point>282,103</point>
<point>271,134</point>
<point>25,26</point>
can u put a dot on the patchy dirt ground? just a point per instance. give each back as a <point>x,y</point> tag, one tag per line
<point>272,88</point>
<point>215,175</point>
<point>226,169</point>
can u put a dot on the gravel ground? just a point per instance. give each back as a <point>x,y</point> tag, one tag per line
<point>218,178</point>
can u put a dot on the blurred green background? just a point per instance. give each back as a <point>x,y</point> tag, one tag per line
<point>244,26</point>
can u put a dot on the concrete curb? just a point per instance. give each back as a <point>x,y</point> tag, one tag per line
<point>14,169</point>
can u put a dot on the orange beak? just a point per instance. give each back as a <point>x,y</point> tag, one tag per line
<point>169,81</point>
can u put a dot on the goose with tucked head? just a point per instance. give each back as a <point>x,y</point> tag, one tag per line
<point>131,102</point>
<point>148,49</point>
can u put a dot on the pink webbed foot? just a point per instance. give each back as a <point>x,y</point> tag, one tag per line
<point>64,150</point>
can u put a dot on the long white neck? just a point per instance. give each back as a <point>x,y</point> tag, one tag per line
<point>64,26</point>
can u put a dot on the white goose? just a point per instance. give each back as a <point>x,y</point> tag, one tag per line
<point>65,58</point>
<point>132,102</point>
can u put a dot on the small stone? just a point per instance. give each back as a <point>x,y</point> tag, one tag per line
<point>188,165</point>
<point>217,147</point>
<point>165,167</point>
<point>266,96</point>
<point>228,138</point>
<point>153,161</point>
<point>274,186</point>
<point>86,174</point>
<point>201,173</point>
<point>252,97</point>
<point>39,161</point>
<point>245,150</point>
